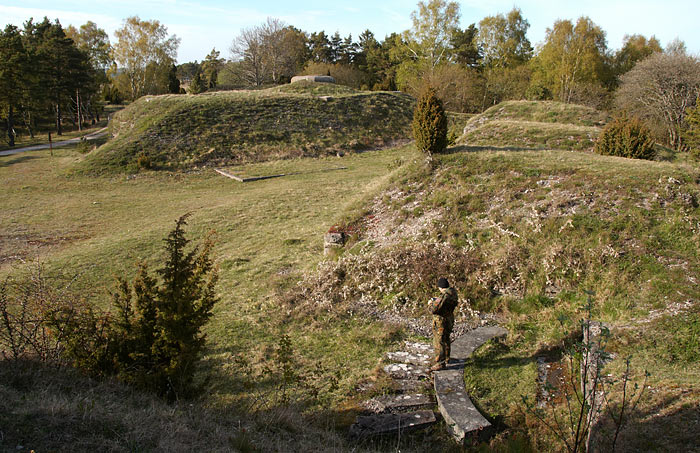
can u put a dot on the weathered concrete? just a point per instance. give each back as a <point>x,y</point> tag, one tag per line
<point>408,357</point>
<point>398,403</point>
<point>406,371</point>
<point>463,419</point>
<point>314,78</point>
<point>372,425</point>
<point>333,241</point>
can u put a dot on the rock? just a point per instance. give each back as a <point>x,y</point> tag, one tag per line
<point>333,241</point>
<point>314,78</point>
<point>372,425</point>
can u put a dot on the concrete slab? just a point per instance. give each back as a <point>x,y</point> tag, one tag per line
<point>373,425</point>
<point>398,403</point>
<point>461,416</point>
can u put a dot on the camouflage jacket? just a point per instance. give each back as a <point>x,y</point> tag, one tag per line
<point>444,305</point>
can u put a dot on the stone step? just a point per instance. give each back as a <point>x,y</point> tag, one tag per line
<point>406,371</point>
<point>373,425</point>
<point>462,418</point>
<point>409,357</point>
<point>398,403</point>
<point>419,348</point>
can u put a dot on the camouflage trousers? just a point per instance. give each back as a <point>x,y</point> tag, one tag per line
<point>442,328</point>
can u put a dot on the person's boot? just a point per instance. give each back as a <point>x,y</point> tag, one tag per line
<point>437,367</point>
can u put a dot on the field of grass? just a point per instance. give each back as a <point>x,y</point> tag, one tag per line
<point>233,127</point>
<point>534,125</point>
<point>268,234</point>
<point>521,234</point>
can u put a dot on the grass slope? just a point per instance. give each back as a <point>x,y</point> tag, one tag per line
<point>535,125</point>
<point>303,119</point>
<point>523,235</point>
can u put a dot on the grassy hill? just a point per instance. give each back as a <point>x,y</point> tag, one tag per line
<point>535,125</point>
<point>303,119</point>
<point>524,235</point>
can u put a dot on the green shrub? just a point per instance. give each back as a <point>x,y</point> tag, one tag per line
<point>430,123</point>
<point>626,137</point>
<point>154,338</point>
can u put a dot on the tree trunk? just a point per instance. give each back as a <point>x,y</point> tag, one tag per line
<point>10,128</point>
<point>80,119</point>
<point>59,126</point>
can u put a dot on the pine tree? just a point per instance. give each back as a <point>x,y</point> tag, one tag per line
<point>430,123</point>
<point>197,84</point>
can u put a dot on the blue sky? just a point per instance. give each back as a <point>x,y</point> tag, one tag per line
<point>203,24</point>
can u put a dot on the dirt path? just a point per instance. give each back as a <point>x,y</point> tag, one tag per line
<point>92,136</point>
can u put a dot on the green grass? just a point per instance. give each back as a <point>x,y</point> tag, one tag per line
<point>185,131</point>
<point>268,234</point>
<point>534,125</point>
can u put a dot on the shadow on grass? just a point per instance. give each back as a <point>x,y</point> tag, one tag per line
<point>474,149</point>
<point>17,160</point>
<point>670,424</point>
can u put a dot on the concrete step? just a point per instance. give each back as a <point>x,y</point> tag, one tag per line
<point>398,403</point>
<point>373,425</point>
<point>463,419</point>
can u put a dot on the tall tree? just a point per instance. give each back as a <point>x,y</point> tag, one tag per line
<point>465,50</point>
<point>434,23</point>
<point>142,43</point>
<point>14,65</point>
<point>94,41</point>
<point>571,55</point>
<point>503,39</point>
<point>211,66</point>
<point>661,89</point>
<point>320,47</point>
<point>62,68</point>
<point>248,48</point>
<point>634,48</point>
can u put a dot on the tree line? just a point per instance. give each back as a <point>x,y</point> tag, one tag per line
<point>50,74</point>
<point>470,68</point>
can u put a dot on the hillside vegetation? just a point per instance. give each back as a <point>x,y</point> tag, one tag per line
<point>535,125</point>
<point>524,235</point>
<point>303,119</point>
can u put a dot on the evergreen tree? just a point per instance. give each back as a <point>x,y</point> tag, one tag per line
<point>430,123</point>
<point>173,81</point>
<point>197,84</point>
<point>13,70</point>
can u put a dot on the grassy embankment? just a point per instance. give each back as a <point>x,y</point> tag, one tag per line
<point>224,128</point>
<point>523,234</point>
<point>535,125</point>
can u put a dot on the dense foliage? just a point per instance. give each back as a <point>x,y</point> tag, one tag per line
<point>430,123</point>
<point>626,137</point>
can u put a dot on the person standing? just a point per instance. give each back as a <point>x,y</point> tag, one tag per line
<point>442,309</point>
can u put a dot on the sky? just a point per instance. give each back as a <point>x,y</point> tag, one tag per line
<point>204,24</point>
